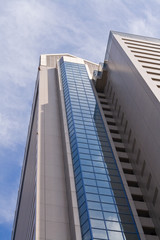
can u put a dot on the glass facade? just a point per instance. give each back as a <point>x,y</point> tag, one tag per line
<point>104,209</point>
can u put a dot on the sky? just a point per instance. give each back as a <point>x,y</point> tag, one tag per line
<point>29,28</point>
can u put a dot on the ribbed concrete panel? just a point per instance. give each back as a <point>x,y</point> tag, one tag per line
<point>52,207</point>
<point>142,50</point>
<point>26,209</point>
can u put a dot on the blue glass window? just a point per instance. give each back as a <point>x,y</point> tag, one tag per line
<point>103,205</point>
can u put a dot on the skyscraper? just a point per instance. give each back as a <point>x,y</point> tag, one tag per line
<point>91,164</point>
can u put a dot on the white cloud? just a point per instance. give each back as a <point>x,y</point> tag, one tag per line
<point>139,26</point>
<point>11,132</point>
<point>30,28</point>
<point>7,203</point>
<point>145,20</point>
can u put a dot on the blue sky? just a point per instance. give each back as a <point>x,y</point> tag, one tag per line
<point>32,27</point>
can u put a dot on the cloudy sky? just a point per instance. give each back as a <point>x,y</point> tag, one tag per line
<point>29,28</point>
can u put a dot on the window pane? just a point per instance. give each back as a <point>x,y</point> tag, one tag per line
<point>131,236</point>
<point>113,225</point>
<point>109,207</point>
<point>128,228</point>
<point>126,218</point>
<point>116,235</point>
<point>94,205</point>
<point>92,197</point>
<point>101,234</point>
<point>95,214</point>
<point>97,224</point>
<point>105,191</point>
<point>90,182</point>
<point>106,199</point>
<point>90,189</point>
<point>85,227</point>
<point>110,216</point>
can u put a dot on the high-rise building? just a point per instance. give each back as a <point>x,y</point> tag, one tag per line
<point>92,157</point>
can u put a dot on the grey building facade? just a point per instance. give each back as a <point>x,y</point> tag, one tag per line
<point>91,164</point>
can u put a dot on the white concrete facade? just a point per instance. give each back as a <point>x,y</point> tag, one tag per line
<point>138,98</point>
<point>55,202</point>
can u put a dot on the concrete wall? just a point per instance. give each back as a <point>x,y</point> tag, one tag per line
<point>47,201</point>
<point>25,218</point>
<point>52,206</point>
<point>142,110</point>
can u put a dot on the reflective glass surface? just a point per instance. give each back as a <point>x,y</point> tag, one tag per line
<point>104,209</point>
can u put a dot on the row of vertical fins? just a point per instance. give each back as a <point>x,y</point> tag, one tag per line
<point>137,196</point>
